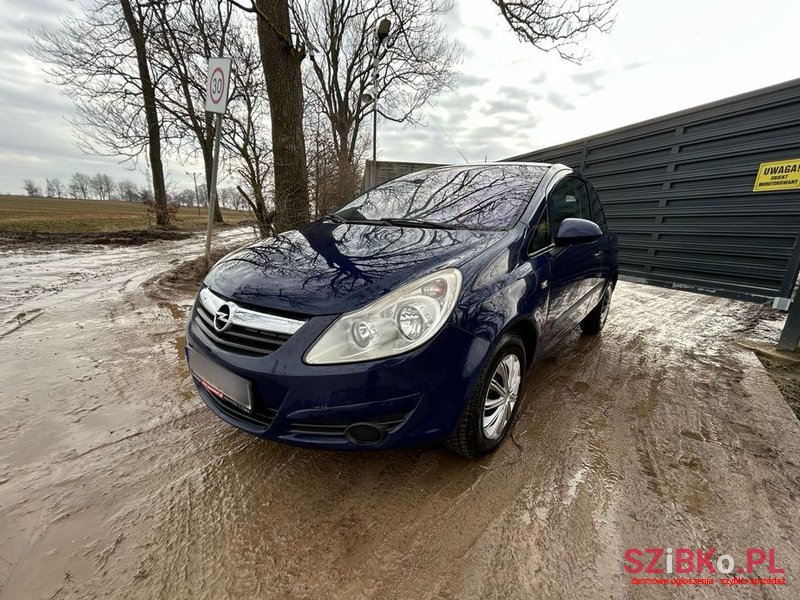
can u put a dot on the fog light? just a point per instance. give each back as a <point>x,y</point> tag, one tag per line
<point>364,434</point>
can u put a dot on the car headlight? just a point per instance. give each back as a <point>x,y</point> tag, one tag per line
<point>400,321</point>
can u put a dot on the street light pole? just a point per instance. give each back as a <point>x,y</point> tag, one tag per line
<point>375,120</point>
<point>380,34</point>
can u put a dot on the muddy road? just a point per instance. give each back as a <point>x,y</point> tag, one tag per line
<point>115,481</point>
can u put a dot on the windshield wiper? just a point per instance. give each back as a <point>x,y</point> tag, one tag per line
<point>398,222</point>
<point>360,220</point>
<point>335,218</point>
<point>357,221</point>
<point>415,223</point>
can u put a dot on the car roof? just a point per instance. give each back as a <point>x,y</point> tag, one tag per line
<point>549,167</point>
<point>496,164</point>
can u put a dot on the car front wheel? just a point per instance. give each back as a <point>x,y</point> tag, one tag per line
<point>493,406</point>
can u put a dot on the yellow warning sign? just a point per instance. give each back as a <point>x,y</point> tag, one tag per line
<point>778,175</point>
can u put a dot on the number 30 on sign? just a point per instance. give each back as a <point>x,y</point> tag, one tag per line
<point>219,71</point>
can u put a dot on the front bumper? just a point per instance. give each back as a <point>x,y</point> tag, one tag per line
<point>415,398</point>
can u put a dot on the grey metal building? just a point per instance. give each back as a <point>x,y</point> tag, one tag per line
<point>377,172</point>
<point>678,190</point>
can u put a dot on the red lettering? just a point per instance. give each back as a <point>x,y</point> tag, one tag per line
<point>684,560</point>
<point>772,567</point>
<point>635,566</point>
<point>704,560</point>
<point>656,552</point>
<point>755,556</point>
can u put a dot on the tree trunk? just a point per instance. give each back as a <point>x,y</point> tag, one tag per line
<point>285,91</point>
<point>257,204</point>
<point>151,115</point>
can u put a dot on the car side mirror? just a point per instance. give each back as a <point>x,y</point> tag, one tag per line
<point>577,231</point>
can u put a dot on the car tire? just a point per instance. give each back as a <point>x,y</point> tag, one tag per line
<point>475,436</point>
<point>594,322</point>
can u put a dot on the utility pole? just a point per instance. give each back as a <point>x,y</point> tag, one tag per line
<point>196,191</point>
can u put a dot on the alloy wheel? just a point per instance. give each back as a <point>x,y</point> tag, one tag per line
<point>498,405</point>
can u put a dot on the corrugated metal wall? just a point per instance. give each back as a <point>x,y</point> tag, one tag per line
<point>678,192</point>
<point>377,172</point>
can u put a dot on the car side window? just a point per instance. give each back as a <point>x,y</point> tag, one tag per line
<point>541,234</point>
<point>598,214</point>
<point>569,199</point>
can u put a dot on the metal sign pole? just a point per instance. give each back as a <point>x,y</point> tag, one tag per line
<point>219,72</point>
<point>212,191</point>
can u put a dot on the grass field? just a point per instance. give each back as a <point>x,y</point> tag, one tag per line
<point>62,215</point>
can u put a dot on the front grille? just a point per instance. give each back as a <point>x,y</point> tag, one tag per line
<point>262,416</point>
<point>337,428</point>
<point>237,338</point>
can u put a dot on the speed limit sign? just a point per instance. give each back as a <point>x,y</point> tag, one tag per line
<point>219,71</point>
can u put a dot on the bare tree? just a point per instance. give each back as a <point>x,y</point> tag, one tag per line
<point>58,187</point>
<point>185,35</point>
<point>329,183</point>
<point>185,197</point>
<point>31,188</point>
<point>547,25</point>
<point>188,33</point>
<point>102,185</point>
<point>54,187</point>
<point>100,59</point>
<point>229,197</point>
<point>128,190</point>
<point>416,63</point>
<point>136,22</point>
<point>79,185</point>
<point>281,58</point>
<point>559,26</point>
<point>247,122</point>
<point>322,161</point>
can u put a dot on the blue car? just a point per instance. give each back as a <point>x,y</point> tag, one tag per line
<point>410,315</point>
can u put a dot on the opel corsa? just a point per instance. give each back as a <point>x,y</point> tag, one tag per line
<point>408,316</point>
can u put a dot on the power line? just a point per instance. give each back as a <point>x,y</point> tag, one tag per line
<point>449,138</point>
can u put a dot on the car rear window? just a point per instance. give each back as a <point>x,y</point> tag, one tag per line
<point>479,197</point>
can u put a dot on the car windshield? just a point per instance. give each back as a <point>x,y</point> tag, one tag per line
<point>479,197</point>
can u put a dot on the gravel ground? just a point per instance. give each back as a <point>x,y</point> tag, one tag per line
<point>116,482</point>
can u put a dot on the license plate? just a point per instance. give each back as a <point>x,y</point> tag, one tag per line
<point>219,382</point>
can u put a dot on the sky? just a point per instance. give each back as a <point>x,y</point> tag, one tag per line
<point>660,57</point>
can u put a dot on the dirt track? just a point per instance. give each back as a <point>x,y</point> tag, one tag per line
<point>116,482</point>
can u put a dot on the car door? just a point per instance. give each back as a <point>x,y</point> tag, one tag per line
<point>573,268</point>
<point>538,257</point>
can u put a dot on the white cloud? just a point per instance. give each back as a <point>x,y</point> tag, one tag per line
<point>660,57</point>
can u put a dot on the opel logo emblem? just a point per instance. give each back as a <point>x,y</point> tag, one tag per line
<point>223,318</point>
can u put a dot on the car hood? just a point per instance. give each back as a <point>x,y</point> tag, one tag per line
<point>330,268</point>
